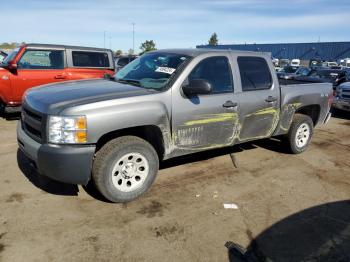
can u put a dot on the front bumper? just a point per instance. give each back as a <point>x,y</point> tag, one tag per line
<point>341,104</point>
<point>65,163</point>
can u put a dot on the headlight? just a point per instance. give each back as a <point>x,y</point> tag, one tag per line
<point>67,130</point>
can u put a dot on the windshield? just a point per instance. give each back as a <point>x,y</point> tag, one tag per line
<point>11,56</point>
<point>152,70</point>
<point>303,71</point>
<point>290,69</point>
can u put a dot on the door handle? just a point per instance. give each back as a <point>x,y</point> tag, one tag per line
<point>271,99</point>
<point>229,103</point>
<point>60,77</point>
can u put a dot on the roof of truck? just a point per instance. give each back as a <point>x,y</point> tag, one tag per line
<point>36,45</point>
<point>199,51</point>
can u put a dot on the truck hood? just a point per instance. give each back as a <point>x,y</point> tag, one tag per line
<point>53,98</point>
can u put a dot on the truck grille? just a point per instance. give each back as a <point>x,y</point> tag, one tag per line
<point>32,123</point>
<point>345,93</point>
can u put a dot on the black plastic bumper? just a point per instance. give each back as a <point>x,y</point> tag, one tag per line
<point>65,163</point>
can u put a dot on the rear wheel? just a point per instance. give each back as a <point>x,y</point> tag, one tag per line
<point>300,133</point>
<point>125,168</point>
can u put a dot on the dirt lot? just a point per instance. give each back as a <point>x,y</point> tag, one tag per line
<point>291,207</point>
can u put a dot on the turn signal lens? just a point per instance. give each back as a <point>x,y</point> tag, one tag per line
<point>80,136</point>
<point>81,123</point>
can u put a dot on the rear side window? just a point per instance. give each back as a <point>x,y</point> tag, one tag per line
<point>255,73</point>
<point>42,59</point>
<point>90,59</point>
<point>217,71</point>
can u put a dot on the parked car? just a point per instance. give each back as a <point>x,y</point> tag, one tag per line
<point>283,62</point>
<point>322,75</point>
<point>295,62</point>
<point>345,62</point>
<point>162,105</point>
<point>122,61</point>
<point>342,97</point>
<point>299,71</point>
<point>2,56</point>
<point>329,64</point>
<point>37,64</point>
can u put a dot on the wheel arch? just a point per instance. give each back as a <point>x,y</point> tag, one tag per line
<point>150,133</point>
<point>313,111</point>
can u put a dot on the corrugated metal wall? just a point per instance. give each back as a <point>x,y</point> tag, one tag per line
<point>306,51</point>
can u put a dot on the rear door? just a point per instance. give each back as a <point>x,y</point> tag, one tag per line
<point>89,64</point>
<point>38,67</point>
<point>259,100</point>
<point>205,121</point>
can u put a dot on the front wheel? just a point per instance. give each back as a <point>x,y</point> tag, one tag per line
<point>125,168</point>
<point>300,133</point>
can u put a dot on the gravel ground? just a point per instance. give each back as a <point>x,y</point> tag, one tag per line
<point>290,207</point>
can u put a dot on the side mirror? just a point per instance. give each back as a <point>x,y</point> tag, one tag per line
<point>9,66</point>
<point>12,66</point>
<point>197,87</point>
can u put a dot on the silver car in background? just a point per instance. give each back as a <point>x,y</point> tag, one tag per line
<point>342,97</point>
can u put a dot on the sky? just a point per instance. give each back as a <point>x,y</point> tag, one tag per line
<point>173,23</point>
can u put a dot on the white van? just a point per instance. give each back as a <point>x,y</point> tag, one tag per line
<point>295,62</point>
<point>345,62</point>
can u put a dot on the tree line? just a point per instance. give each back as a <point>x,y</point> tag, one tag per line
<point>148,45</point>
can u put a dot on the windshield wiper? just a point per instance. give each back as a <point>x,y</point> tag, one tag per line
<point>129,81</point>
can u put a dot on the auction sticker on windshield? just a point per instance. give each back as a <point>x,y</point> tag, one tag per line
<point>166,70</point>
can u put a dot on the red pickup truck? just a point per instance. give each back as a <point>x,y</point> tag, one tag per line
<point>37,64</point>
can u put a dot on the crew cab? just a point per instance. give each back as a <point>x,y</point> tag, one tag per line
<point>36,64</point>
<point>164,104</point>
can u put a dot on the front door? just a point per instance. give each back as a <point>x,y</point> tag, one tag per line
<point>37,67</point>
<point>205,121</point>
<point>259,101</point>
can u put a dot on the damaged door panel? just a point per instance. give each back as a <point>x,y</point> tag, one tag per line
<point>207,120</point>
<point>259,100</point>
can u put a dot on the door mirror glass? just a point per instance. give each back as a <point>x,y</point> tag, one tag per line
<point>197,87</point>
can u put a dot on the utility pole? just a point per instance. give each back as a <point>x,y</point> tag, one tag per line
<point>104,39</point>
<point>133,37</point>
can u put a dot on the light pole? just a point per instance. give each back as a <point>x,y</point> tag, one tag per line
<point>104,39</point>
<point>133,37</point>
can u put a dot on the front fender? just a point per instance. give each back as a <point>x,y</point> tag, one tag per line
<point>109,116</point>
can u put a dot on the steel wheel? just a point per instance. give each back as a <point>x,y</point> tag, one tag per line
<point>302,135</point>
<point>130,172</point>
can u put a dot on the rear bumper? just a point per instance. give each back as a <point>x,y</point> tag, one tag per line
<point>64,163</point>
<point>341,104</point>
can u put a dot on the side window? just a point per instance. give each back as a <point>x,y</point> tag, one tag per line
<point>90,59</point>
<point>123,61</point>
<point>42,59</point>
<point>217,71</point>
<point>255,73</point>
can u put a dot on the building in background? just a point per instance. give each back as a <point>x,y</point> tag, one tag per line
<point>305,52</point>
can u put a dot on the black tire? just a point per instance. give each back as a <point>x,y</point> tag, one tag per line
<point>106,159</point>
<point>298,121</point>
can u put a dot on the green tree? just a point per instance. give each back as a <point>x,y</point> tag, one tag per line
<point>147,46</point>
<point>213,40</point>
<point>118,52</point>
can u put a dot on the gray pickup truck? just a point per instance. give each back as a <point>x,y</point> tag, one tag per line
<point>164,104</point>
